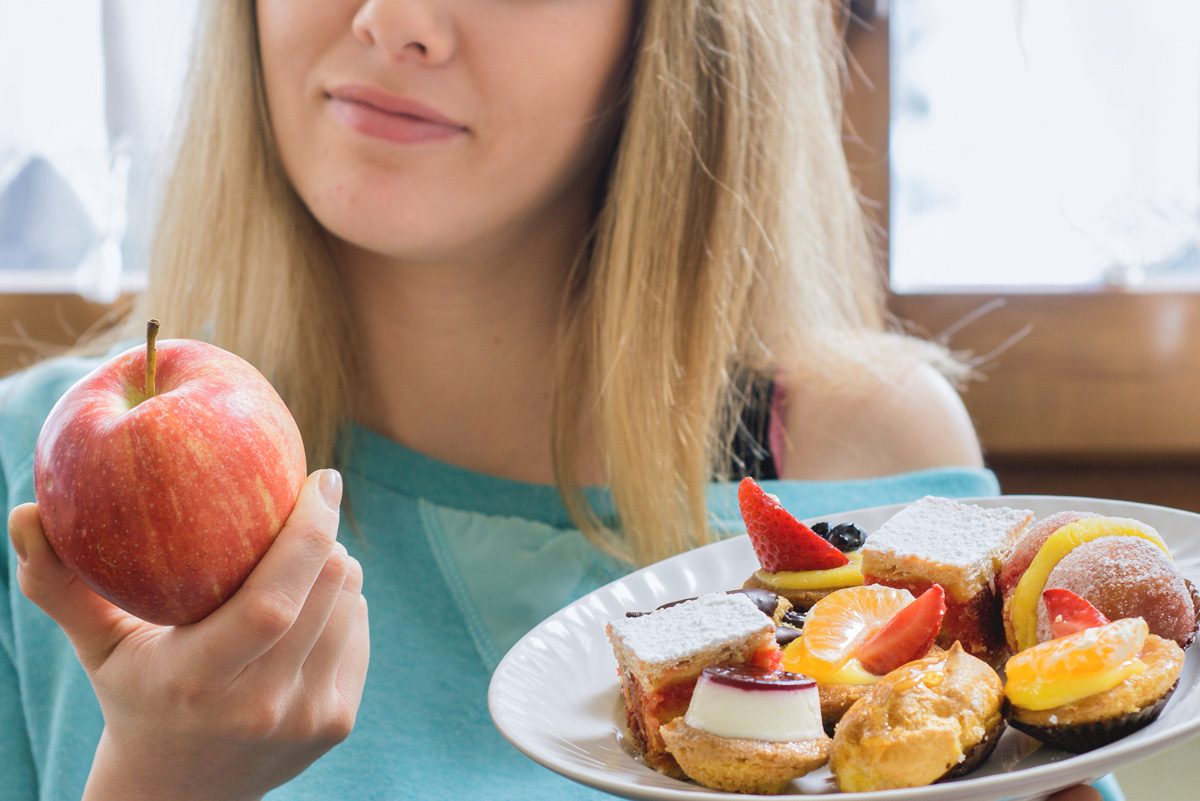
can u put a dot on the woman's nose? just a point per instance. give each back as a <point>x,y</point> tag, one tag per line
<point>418,30</point>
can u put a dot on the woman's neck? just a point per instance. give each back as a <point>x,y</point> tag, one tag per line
<point>460,358</point>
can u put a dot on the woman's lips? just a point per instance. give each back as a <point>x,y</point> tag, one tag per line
<point>386,117</point>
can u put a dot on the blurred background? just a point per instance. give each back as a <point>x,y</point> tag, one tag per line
<point>1033,167</point>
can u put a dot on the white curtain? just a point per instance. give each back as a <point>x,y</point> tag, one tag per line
<point>88,93</point>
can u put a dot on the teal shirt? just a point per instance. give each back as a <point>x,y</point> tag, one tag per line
<point>457,566</point>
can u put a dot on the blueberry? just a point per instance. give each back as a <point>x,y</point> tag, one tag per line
<point>821,529</point>
<point>847,537</point>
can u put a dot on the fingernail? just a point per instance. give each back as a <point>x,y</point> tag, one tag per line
<point>18,542</point>
<point>330,485</point>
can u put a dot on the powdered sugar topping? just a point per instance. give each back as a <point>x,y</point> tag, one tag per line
<point>949,532</point>
<point>681,631</point>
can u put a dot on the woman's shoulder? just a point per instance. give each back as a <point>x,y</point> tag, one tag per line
<point>893,412</point>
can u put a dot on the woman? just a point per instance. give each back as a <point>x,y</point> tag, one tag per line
<point>491,254</point>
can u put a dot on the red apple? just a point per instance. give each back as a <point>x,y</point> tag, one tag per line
<point>161,482</point>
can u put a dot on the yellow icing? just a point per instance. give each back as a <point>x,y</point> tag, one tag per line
<point>1023,608</point>
<point>1047,695</point>
<point>848,575</point>
<point>1069,669</point>
<point>848,671</point>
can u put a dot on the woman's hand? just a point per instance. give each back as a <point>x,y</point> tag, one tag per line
<point>238,703</point>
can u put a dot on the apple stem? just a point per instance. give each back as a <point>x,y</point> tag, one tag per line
<point>151,355</point>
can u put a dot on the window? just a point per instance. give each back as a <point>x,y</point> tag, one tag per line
<point>89,96</point>
<point>1045,143</point>
<point>1091,372</point>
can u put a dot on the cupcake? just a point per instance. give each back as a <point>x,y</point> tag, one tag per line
<point>926,721</point>
<point>797,562</point>
<point>749,730</point>
<point>855,636</point>
<point>1095,682</point>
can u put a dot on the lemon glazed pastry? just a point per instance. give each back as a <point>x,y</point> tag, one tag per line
<point>1121,566</point>
<point>928,720</point>
<point>959,546</point>
<point>749,730</point>
<point>1095,682</point>
<point>660,656</point>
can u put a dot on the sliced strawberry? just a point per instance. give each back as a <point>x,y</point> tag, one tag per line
<point>1069,613</point>
<point>769,658</point>
<point>780,541</point>
<point>907,636</point>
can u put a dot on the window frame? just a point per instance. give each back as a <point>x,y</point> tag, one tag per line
<point>1096,375</point>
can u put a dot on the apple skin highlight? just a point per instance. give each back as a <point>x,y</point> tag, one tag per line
<point>164,505</point>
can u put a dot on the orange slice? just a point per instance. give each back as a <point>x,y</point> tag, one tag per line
<point>834,629</point>
<point>1071,668</point>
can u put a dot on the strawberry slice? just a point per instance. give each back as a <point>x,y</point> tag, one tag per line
<point>907,636</point>
<point>769,658</point>
<point>780,541</point>
<point>1069,613</point>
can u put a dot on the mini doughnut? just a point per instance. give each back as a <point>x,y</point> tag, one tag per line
<point>1127,577</point>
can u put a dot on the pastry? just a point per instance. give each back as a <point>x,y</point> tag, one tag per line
<point>1115,587</point>
<point>788,622</point>
<point>660,656</point>
<point>1128,577</point>
<point>1027,546</point>
<point>928,720</point>
<point>749,730</point>
<point>855,636</point>
<point>1095,682</point>
<point>959,546</point>
<point>796,561</point>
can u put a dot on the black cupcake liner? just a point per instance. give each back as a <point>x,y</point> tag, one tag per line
<point>1084,737</point>
<point>977,754</point>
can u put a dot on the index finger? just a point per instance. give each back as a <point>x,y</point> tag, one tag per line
<point>268,603</point>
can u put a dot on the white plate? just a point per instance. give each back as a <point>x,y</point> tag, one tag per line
<point>555,694</point>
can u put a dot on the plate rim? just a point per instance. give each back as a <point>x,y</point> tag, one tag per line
<point>1036,779</point>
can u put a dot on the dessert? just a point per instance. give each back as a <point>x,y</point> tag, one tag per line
<point>855,636</point>
<point>788,622</point>
<point>928,720</point>
<point>796,561</point>
<point>956,545</point>
<point>749,730</point>
<point>1095,682</point>
<point>1128,577</point>
<point>1120,586</point>
<point>1028,545</point>
<point>660,656</point>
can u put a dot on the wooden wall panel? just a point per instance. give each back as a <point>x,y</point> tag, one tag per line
<point>34,326</point>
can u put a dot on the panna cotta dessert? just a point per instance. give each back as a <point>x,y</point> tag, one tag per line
<point>749,730</point>
<point>660,657</point>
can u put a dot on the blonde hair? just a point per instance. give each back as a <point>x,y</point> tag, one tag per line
<point>728,240</point>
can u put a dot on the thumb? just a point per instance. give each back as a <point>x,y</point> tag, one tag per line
<point>94,625</point>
